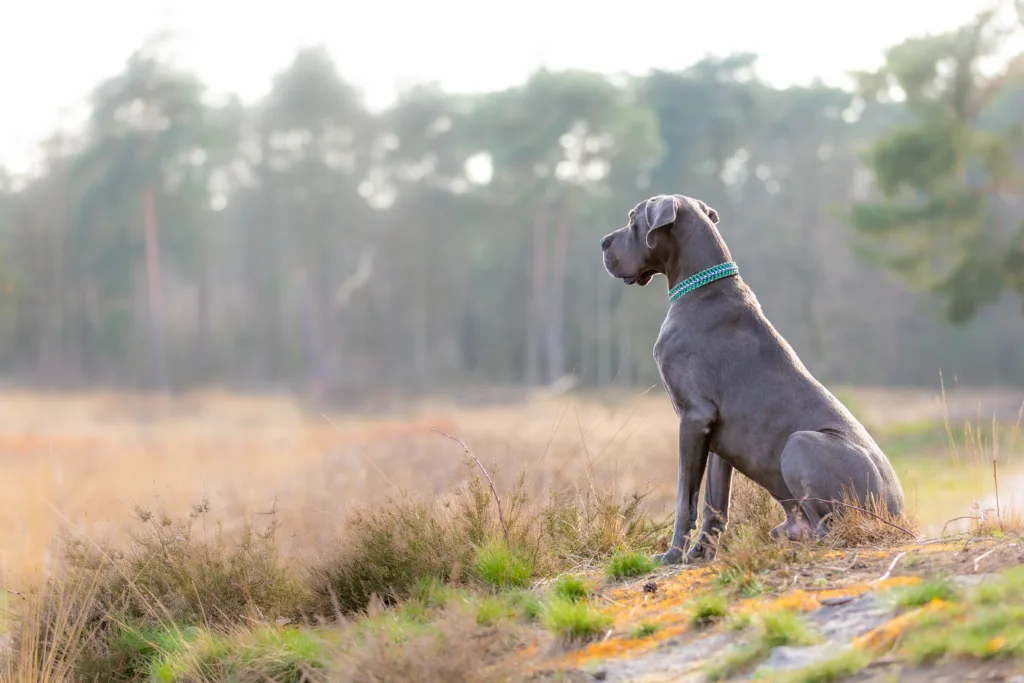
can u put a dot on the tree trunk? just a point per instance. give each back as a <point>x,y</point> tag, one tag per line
<point>556,301</point>
<point>605,369</point>
<point>535,325</point>
<point>204,332</point>
<point>152,238</point>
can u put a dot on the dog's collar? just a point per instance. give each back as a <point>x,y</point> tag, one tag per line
<point>702,278</point>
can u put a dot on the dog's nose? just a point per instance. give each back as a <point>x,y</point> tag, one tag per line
<point>606,242</point>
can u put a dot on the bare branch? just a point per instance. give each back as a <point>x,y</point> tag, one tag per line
<point>490,482</point>
<point>892,566</point>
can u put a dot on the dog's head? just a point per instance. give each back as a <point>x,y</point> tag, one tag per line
<point>639,250</point>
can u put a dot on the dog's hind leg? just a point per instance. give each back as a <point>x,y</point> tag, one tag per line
<point>818,470</point>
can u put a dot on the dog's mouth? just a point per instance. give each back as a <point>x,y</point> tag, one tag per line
<point>642,279</point>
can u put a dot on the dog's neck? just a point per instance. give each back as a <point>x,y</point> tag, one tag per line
<point>695,247</point>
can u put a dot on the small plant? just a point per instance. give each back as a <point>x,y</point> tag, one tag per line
<point>784,628</point>
<point>750,587</point>
<point>492,609</point>
<point>739,622</point>
<point>988,625</point>
<point>525,603</point>
<point>707,609</point>
<point>571,588</point>
<point>285,655</point>
<point>740,580</point>
<point>838,668</point>
<point>774,629</point>
<point>503,568</point>
<point>574,622</point>
<point>923,593</point>
<point>627,564</point>
<point>645,630</point>
<point>433,594</point>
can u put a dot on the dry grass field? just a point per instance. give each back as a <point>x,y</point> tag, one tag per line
<point>84,460</point>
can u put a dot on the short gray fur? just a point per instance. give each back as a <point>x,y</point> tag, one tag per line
<point>744,399</point>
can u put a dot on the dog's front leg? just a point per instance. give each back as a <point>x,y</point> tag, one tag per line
<point>694,440</point>
<point>717,491</point>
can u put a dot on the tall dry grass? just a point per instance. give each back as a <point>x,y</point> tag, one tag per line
<point>81,461</point>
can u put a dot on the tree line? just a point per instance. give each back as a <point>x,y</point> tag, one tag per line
<point>451,240</point>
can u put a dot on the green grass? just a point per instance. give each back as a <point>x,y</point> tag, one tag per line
<point>644,630</point>
<point>838,668</point>
<point>923,593</point>
<point>433,594</point>
<point>169,654</point>
<point>744,583</point>
<point>569,587</point>
<point>574,622</point>
<point>707,609</point>
<point>526,604</point>
<point>988,624</point>
<point>492,609</point>
<point>502,568</point>
<point>773,629</point>
<point>739,622</point>
<point>628,564</point>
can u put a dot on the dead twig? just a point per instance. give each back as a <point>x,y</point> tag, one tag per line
<point>956,519</point>
<point>892,566</point>
<point>13,592</point>
<point>881,519</point>
<point>490,482</point>
<point>981,557</point>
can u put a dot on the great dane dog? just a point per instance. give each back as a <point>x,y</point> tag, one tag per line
<point>744,399</point>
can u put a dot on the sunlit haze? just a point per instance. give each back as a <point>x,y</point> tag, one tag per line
<point>52,52</point>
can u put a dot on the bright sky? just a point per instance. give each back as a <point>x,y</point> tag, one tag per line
<point>52,52</point>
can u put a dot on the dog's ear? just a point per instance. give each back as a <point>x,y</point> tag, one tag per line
<point>660,212</point>
<point>711,213</point>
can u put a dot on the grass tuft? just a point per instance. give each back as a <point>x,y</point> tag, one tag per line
<point>988,624</point>
<point>574,622</point>
<point>707,609</point>
<point>569,587</point>
<point>628,564</point>
<point>645,630</point>
<point>925,592</point>
<point>838,668</point>
<point>503,568</point>
<point>773,629</point>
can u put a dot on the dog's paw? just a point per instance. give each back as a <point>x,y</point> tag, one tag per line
<point>673,556</point>
<point>700,553</point>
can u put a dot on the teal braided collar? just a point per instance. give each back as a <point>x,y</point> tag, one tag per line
<point>702,278</point>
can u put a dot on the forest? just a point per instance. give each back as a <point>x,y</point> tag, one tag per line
<point>451,241</point>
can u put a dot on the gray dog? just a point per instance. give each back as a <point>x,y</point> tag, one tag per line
<point>738,387</point>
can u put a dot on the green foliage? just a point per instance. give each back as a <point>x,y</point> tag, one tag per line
<point>569,587</point>
<point>388,551</point>
<point>772,629</point>
<point>838,668</point>
<point>708,609</point>
<point>923,593</point>
<point>574,622</point>
<point>626,564</point>
<point>942,175</point>
<point>988,624</point>
<point>645,630</point>
<point>492,609</point>
<point>503,567</point>
<point>167,654</point>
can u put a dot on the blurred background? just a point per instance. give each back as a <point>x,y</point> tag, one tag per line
<point>219,221</point>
